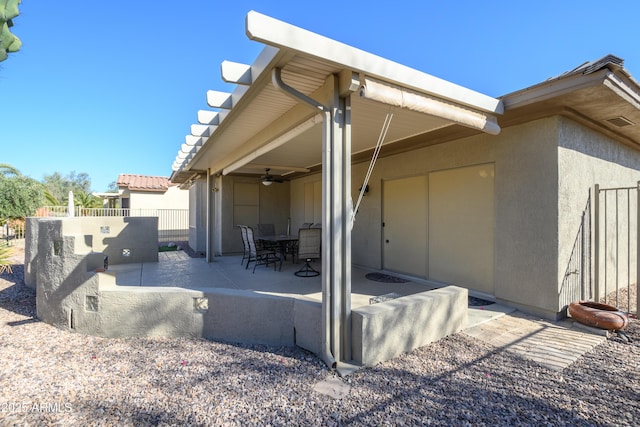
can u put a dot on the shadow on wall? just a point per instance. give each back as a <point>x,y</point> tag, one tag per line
<point>62,256</point>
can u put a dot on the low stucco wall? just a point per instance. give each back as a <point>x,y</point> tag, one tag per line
<point>62,255</point>
<point>30,251</point>
<point>307,320</point>
<point>107,235</point>
<point>379,332</point>
<point>249,317</point>
<point>73,294</point>
<point>383,331</point>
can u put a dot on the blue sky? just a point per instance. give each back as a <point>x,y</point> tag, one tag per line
<point>108,87</point>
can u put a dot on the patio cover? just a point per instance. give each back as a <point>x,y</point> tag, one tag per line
<point>310,103</point>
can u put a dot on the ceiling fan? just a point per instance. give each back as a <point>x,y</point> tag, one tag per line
<point>268,179</point>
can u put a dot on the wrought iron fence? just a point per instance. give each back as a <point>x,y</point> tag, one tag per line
<point>616,246</point>
<point>173,224</point>
<point>577,283</point>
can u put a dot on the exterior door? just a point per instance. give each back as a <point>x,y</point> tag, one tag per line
<point>404,233</point>
<point>461,227</point>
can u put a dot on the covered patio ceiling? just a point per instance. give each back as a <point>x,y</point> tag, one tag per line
<point>259,126</point>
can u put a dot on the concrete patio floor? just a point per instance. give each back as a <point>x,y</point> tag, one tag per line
<point>177,269</point>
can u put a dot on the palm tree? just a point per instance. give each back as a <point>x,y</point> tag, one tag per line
<point>51,199</point>
<point>7,170</point>
<point>5,257</point>
<point>87,200</point>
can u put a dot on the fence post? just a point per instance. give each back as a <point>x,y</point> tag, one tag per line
<point>583,245</point>
<point>596,239</point>
<point>637,251</point>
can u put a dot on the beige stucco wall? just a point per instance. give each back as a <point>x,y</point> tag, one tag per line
<point>543,170</point>
<point>586,158</point>
<point>273,207</point>
<point>173,198</point>
<point>526,209</point>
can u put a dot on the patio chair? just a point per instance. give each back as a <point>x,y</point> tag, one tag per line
<point>309,240</point>
<point>245,243</point>
<point>260,256</point>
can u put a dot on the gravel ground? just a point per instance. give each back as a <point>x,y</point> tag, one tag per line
<point>52,377</point>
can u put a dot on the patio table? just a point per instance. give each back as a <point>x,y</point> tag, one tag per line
<point>282,240</point>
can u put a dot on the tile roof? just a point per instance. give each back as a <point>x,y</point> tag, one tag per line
<point>608,61</point>
<point>143,182</point>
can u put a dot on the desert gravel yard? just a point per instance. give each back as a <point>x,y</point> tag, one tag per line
<point>52,377</point>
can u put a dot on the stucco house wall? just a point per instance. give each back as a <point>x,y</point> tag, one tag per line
<point>265,204</point>
<point>173,198</point>
<point>543,172</point>
<point>586,158</point>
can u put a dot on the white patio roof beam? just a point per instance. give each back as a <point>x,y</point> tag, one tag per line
<point>194,140</point>
<point>206,117</point>
<point>234,72</point>
<point>202,130</point>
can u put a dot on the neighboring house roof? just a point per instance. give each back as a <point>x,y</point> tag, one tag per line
<point>143,182</point>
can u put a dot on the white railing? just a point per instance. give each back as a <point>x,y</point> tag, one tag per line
<point>11,230</point>
<point>173,224</point>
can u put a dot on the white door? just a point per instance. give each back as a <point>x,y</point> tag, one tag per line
<point>461,227</point>
<point>404,230</point>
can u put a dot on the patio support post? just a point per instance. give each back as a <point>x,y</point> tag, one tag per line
<point>335,223</point>
<point>208,238</point>
<point>329,354</point>
<point>347,213</point>
<point>336,218</point>
<point>331,209</point>
<point>596,242</point>
<point>336,209</point>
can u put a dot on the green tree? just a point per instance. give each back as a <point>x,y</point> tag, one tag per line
<point>113,187</point>
<point>20,196</point>
<point>59,185</point>
<point>8,170</point>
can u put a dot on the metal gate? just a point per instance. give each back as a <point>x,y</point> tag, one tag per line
<point>577,283</point>
<point>615,247</point>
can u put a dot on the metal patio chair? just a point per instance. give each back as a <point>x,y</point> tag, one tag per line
<point>309,242</point>
<point>260,256</point>
<point>245,243</point>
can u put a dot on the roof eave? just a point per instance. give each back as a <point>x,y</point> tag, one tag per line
<point>552,88</point>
